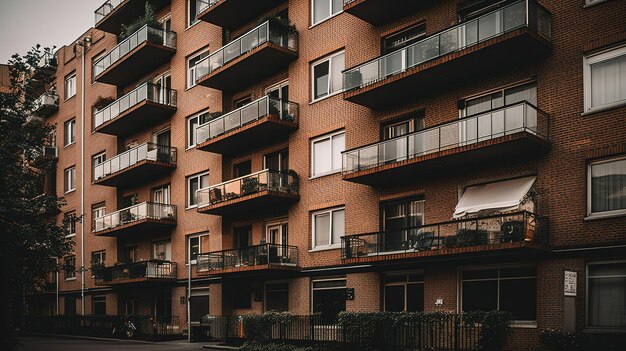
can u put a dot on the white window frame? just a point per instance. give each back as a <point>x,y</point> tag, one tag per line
<point>190,83</point>
<point>73,277</point>
<point>593,59</point>
<point>69,178</point>
<point>68,216</point>
<point>330,211</point>
<point>199,237</point>
<point>588,294</point>
<point>187,193</point>
<point>589,3</point>
<point>69,136</point>
<point>190,17</point>
<point>97,160</point>
<point>69,86</point>
<point>330,78</point>
<point>192,133</point>
<point>612,213</point>
<point>96,210</point>
<point>330,6</point>
<point>99,253</point>
<point>329,136</point>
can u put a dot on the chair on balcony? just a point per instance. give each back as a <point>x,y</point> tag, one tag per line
<point>512,231</point>
<point>215,195</point>
<point>424,241</point>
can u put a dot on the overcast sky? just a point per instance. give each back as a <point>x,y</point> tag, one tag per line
<point>24,23</point>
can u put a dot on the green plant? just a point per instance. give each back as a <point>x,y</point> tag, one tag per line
<point>249,185</point>
<point>148,18</point>
<point>558,340</point>
<point>471,237</point>
<point>102,102</point>
<point>257,327</point>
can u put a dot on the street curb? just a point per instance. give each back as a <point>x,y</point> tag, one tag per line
<point>220,347</point>
<point>91,338</point>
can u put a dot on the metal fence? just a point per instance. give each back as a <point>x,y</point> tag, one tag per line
<point>141,211</point>
<point>275,254</point>
<point>128,158</point>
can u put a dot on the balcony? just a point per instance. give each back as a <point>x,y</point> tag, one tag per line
<point>47,67</point>
<point>133,58</point>
<point>140,164</point>
<point>254,56</point>
<point>145,106</point>
<point>44,156</point>
<point>378,12</point>
<point>516,132</point>
<point>267,189</point>
<point>231,14</point>
<point>260,122</point>
<point>46,104</point>
<point>113,13</point>
<point>146,217</point>
<point>260,258</point>
<point>506,38</point>
<point>520,232</point>
<point>153,271</point>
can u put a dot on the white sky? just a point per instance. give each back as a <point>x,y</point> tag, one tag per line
<point>24,23</point>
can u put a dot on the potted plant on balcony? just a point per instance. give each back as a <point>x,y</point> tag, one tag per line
<point>249,186</point>
<point>471,237</point>
<point>353,79</point>
<point>149,18</point>
<point>293,181</point>
<point>102,102</point>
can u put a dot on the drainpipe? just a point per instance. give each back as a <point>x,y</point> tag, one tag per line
<point>56,274</point>
<point>189,298</point>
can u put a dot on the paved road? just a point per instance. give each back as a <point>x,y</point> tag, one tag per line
<point>55,343</point>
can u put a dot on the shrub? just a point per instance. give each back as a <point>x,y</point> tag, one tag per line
<point>258,327</point>
<point>148,18</point>
<point>255,346</point>
<point>558,340</point>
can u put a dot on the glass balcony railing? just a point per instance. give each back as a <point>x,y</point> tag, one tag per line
<point>145,92</point>
<point>151,269</point>
<point>143,152</point>
<point>270,31</point>
<point>158,36</point>
<point>489,230</point>
<point>144,210</point>
<point>275,254</point>
<point>285,110</point>
<point>204,5</point>
<point>527,13</point>
<point>515,118</point>
<point>106,8</point>
<point>281,181</point>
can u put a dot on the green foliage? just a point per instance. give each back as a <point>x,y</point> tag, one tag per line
<point>257,327</point>
<point>29,238</point>
<point>255,346</point>
<point>558,340</point>
<point>149,18</point>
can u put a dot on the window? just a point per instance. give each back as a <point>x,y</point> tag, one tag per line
<point>604,78</point>
<point>328,228</point>
<point>192,123</point>
<point>97,160</point>
<point>98,261</point>
<point>399,221</point>
<point>192,10</point>
<point>199,303</point>
<point>162,250</point>
<point>98,210</point>
<point>606,302</point>
<point>404,292</point>
<point>606,187</point>
<point>162,195</point>
<point>277,297</point>
<point>241,169</point>
<point>70,86</point>
<point>498,99</point>
<point>192,63</point>
<point>326,153</point>
<point>326,76</point>
<point>69,220</point>
<point>403,38</point>
<point>505,289</point>
<point>99,305</point>
<point>328,298</point>
<point>241,295</point>
<point>69,132</point>
<point>322,10</point>
<point>70,267</point>
<point>194,183</point>
<point>242,102</point>
<point>69,179</point>
<point>197,244</point>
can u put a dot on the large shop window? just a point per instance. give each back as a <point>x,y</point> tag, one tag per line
<point>277,297</point>
<point>606,187</point>
<point>329,298</point>
<point>607,295</point>
<point>504,289</point>
<point>404,292</point>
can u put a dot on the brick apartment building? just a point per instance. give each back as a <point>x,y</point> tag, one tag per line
<point>419,155</point>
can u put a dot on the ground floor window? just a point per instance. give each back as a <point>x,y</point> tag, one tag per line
<point>99,305</point>
<point>607,295</point>
<point>199,303</point>
<point>329,298</point>
<point>277,297</point>
<point>404,292</point>
<point>507,289</point>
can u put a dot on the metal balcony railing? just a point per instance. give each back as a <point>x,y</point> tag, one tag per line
<point>280,181</point>
<point>48,61</point>
<point>275,254</point>
<point>285,110</point>
<point>527,13</point>
<point>204,5</point>
<point>153,35</point>
<point>510,119</point>
<point>145,92</point>
<point>106,8</point>
<point>270,31</point>
<point>143,152</point>
<point>150,269</point>
<point>489,230</point>
<point>144,210</point>
<point>46,100</point>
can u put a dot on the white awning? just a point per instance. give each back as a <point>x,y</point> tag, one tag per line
<point>502,196</point>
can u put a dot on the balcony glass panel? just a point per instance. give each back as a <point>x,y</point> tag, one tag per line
<point>146,151</point>
<point>275,254</point>
<point>453,39</point>
<point>152,269</point>
<point>144,210</point>
<point>145,92</point>
<point>507,120</point>
<point>50,99</point>
<point>285,110</point>
<point>106,8</point>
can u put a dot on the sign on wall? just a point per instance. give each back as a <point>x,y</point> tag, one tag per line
<point>569,284</point>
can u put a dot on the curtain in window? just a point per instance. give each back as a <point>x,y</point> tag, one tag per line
<point>607,295</point>
<point>608,186</point>
<point>608,81</point>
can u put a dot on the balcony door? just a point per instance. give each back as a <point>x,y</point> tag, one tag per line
<point>166,24</point>
<point>161,195</point>
<point>399,219</point>
<point>162,250</point>
<point>277,234</point>
<point>280,92</point>
<point>278,164</point>
<point>162,89</point>
<point>163,140</point>
<point>242,237</point>
<point>399,148</point>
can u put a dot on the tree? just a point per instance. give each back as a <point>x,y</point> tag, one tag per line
<point>29,238</point>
